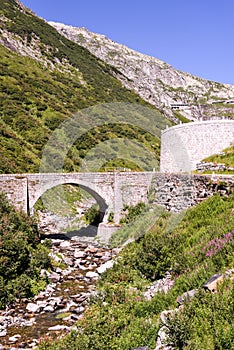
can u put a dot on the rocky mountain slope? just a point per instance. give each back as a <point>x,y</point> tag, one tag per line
<point>44,79</point>
<point>172,91</point>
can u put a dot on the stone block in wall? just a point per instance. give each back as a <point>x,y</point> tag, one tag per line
<point>15,187</point>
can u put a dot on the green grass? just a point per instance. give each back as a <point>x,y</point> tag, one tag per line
<point>181,117</point>
<point>227,158</point>
<point>206,322</point>
<point>62,199</point>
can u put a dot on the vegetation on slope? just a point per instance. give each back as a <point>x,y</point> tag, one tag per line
<point>201,245</point>
<point>37,95</point>
<point>225,157</point>
<point>22,256</point>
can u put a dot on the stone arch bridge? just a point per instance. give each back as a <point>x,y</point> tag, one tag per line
<point>114,190</point>
<point>111,190</point>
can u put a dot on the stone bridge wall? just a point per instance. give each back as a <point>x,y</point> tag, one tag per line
<point>16,189</point>
<point>112,191</point>
<point>185,145</point>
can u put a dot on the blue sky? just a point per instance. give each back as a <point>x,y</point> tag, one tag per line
<point>194,36</point>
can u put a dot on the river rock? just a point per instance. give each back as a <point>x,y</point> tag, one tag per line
<point>109,264</point>
<point>106,258</point>
<point>22,346</point>
<point>79,310</point>
<point>31,307</point>
<point>29,323</point>
<point>54,301</point>
<point>49,308</point>
<point>26,313</point>
<point>55,277</point>
<point>58,327</point>
<point>14,338</point>
<point>99,255</point>
<point>68,261</point>
<point>33,343</point>
<point>92,274</point>
<point>65,244</point>
<point>50,289</point>
<point>91,249</point>
<point>79,254</point>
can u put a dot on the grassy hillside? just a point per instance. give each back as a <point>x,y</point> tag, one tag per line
<point>53,79</point>
<point>200,246</point>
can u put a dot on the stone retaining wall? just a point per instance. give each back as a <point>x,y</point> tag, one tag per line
<point>177,192</point>
<point>185,145</point>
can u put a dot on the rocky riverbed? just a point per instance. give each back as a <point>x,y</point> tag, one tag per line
<point>55,310</point>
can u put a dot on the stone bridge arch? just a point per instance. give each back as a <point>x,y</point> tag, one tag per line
<point>102,193</point>
<point>112,191</point>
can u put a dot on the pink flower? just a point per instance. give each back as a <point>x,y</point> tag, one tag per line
<point>217,244</point>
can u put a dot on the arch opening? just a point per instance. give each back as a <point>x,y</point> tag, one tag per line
<point>71,209</point>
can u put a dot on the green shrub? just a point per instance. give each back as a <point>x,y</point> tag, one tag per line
<point>21,255</point>
<point>111,217</point>
<point>132,212</point>
<point>92,215</point>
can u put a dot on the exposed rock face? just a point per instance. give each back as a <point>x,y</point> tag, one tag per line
<point>162,285</point>
<point>173,92</point>
<point>154,80</point>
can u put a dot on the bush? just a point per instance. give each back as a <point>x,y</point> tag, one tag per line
<point>92,215</point>
<point>132,212</point>
<point>21,255</point>
<point>111,217</point>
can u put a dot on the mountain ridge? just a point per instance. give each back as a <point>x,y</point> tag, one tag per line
<point>154,80</point>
